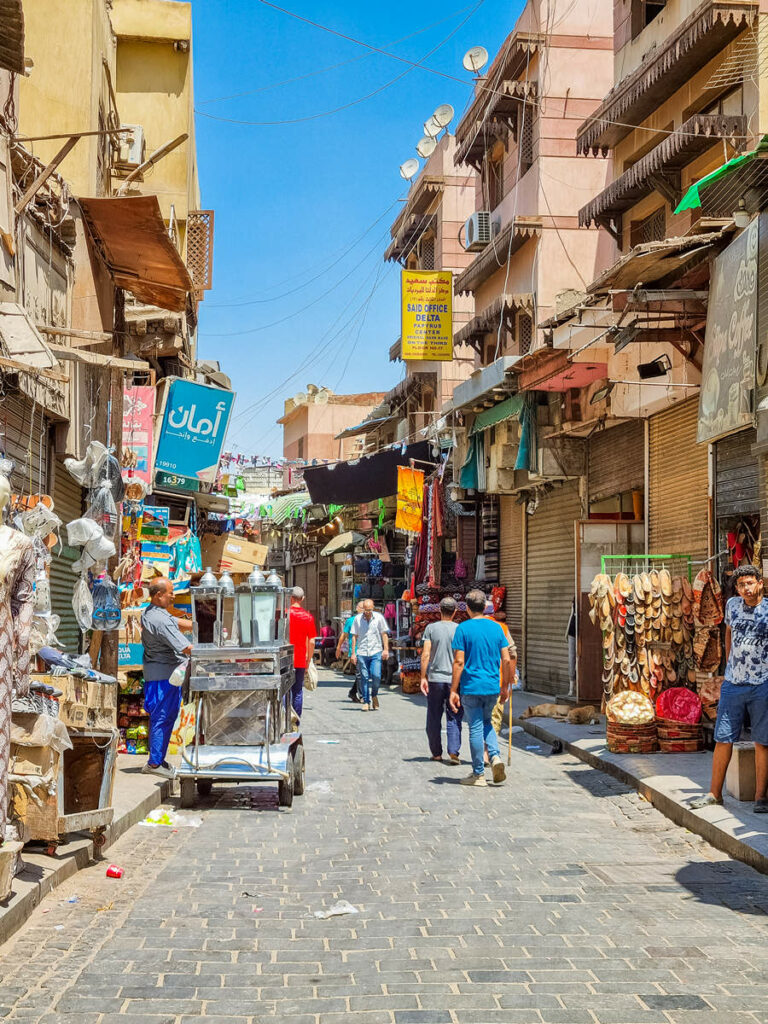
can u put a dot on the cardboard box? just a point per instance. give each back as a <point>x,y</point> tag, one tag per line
<point>95,695</point>
<point>74,716</point>
<point>74,690</point>
<point>232,553</point>
<point>33,760</point>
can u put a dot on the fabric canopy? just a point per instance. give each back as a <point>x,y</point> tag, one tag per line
<point>287,505</point>
<point>344,542</point>
<point>498,413</point>
<point>366,479</point>
<point>692,198</point>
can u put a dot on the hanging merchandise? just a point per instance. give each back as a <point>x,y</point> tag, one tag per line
<point>106,605</point>
<point>102,510</point>
<point>82,603</point>
<point>88,470</point>
<point>410,499</point>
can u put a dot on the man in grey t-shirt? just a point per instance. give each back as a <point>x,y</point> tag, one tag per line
<point>436,670</point>
<point>165,649</point>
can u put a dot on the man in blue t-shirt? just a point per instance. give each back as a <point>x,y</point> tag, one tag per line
<point>745,687</point>
<point>480,654</point>
<point>345,640</point>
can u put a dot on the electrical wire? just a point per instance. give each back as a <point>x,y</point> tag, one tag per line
<point>359,99</point>
<point>332,67</point>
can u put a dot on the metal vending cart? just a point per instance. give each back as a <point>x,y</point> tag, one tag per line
<point>240,680</point>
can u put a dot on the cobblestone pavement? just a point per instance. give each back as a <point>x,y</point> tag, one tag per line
<point>559,897</point>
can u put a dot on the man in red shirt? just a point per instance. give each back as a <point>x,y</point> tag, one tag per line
<point>301,634</point>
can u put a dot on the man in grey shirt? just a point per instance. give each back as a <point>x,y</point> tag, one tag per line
<point>436,670</point>
<point>165,649</point>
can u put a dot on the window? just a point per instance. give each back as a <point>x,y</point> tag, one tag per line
<point>427,253</point>
<point>644,12</point>
<point>524,333</point>
<point>729,103</point>
<point>526,140</point>
<point>650,229</point>
<point>493,173</point>
<point>300,452</point>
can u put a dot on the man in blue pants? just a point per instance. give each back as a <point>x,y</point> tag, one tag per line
<point>165,649</point>
<point>480,658</point>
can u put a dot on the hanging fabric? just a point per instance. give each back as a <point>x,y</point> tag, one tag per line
<point>410,499</point>
<point>527,453</point>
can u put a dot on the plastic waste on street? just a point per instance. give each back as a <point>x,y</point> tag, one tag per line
<point>337,910</point>
<point>113,871</point>
<point>171,819</point>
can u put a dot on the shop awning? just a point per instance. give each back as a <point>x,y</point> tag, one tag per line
<point>653,261</point>
<point>288,505</point>
<point>135,245</point>
<point>364,427</point>
<point>724,187</point>
<point>366,479</point>
<point>498,413</point>
<point>549,369</point>
<point>20,340</point>
<point>344,542</point>
<point>484,382</point>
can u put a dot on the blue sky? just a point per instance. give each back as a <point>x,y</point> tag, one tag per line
<point>291,199</point>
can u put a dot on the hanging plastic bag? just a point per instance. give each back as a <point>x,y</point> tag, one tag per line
<point>87,471</point>
<point>80,531</point>
<point>100,549</point>
<point>106,605</point>
<point>103,510</point>
<point>112,476</point>
<point>42,593</point>
<point>82,605</point>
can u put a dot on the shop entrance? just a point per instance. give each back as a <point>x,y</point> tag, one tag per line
<point>737,503</point>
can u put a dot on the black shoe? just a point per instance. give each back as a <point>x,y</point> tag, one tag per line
<point>353,695</point>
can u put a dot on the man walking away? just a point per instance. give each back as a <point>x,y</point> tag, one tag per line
<point>436,675</point>
<point>346,638</point>
<point>479,652</point>
<point>745,687</point>
<point>165,649</point>
<point>370,641</point>
<point>301,634</point>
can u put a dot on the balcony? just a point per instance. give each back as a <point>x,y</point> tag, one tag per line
<point>504,307</point>
<point>414,219</point>
<point>660,170</point>
<point>711,27</point>
<point>499,96</point>
<point>509,240</point>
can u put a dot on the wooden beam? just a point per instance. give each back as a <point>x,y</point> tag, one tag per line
<point>44,175</point>
<point>73,355</point>
<point>85,338</point>
<point>18,367</point>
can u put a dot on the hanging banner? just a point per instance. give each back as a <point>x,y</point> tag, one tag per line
<point>138,410</point>
<point>194,426</point>
<point>410,499</point>
<point>728,373</point>
<point>426,320</point>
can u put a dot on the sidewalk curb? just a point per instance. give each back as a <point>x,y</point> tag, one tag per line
<point>78,854</point>
<point>677,813</point>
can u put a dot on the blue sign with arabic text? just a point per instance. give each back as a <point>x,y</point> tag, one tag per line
<point>194,427</point>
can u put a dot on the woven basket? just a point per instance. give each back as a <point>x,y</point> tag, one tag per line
<point>709,709</point>
<point>680,746</point>
<point>631,739</point>
<point>671,730</point>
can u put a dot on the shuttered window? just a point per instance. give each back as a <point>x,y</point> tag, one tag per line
<point>550,588</point>
<point>24,440</point>
<point>511,565</point>
<point>678,483</point>
<point>68,505</point>
<point>616,461</point>
<point>737,490</point>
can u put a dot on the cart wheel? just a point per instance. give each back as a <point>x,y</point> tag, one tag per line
<point>285,786</point>
<point>99,841</point>
<point>298,770</point>
<point>204,787</point>
<point>187,793</point>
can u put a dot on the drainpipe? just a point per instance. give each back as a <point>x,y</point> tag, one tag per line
<point>646,482</point>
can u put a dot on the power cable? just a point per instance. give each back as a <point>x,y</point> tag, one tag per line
<point>352,103</point>
<point>331,67</point>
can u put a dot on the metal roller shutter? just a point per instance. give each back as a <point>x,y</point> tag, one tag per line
<point>616,462</point>
<point>24,440</point>
<point>737,489</point>
<point>511,565</point>
<point>68,504</point>
<point>550,588</point>
<point>678,492</point>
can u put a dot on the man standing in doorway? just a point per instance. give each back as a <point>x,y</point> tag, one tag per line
<point>370,642</point>
<point>480,651</point>
<point>165,649</point>
<point>436,675</point>
<point>745,687</point>
<point>301,634</point>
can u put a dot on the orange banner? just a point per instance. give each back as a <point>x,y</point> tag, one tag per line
<point>410,499</point>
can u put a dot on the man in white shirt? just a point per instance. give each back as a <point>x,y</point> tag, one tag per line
<point>370,642</point>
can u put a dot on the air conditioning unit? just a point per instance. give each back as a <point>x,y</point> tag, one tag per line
<point>133,147</point>
<point>477,231</point>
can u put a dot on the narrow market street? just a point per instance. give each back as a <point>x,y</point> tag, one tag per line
<point>561,897</point>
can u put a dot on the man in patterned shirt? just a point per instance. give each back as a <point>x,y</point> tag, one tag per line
<point>745,687</point>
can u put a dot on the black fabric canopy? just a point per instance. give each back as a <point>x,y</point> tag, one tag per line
<point>351,483</point>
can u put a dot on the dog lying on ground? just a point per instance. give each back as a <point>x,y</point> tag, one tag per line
<point>562,712</point>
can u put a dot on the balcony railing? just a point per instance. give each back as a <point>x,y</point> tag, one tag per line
<point>660,169</point>
<point>665,69</point>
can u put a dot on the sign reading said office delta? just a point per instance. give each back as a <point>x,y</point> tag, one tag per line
<point>192,435</point>
<point>427,314</point>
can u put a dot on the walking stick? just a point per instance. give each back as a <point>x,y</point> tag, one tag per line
<point>509,750</point>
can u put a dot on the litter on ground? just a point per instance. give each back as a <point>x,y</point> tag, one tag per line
<point>337,910</point>
<point>171,819</point>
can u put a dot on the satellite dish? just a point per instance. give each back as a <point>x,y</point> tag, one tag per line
<point>432,128</point>
<point>475,59</point>
<point>299,398</point>
<point>409,168</point>
<point>426,146</point>
<point>321,398</point>
<point>443,115</point>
